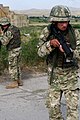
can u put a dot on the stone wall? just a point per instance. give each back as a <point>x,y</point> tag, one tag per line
<point>19,20</point>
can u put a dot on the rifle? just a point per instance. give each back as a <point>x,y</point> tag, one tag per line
<point>62,41</point>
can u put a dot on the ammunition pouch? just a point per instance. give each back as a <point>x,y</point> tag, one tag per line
<point>70,63</point>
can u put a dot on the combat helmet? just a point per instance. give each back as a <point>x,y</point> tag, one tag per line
<point>4,21</point>
<point>60,13</point>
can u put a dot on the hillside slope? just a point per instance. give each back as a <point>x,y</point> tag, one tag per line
<point>45,12</point>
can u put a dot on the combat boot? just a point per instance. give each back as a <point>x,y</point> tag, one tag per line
<point>13,84</point>
<point>20,82</point>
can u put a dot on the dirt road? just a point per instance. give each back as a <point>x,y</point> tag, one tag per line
<point>26,102</point>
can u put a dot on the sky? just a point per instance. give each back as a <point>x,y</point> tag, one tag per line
<point>38,4</point>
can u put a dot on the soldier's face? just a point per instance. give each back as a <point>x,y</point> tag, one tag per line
<point>62,25</point>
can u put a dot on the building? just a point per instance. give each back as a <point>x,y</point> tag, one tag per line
<point>19,20</point>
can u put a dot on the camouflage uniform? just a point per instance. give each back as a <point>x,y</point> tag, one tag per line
<point>65,79</point>
<point>14,52</point>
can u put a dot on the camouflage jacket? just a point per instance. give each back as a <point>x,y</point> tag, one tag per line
<point>44,47</point>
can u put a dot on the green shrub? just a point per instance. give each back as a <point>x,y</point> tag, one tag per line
<point>29,48</point>
<point>30,57</point>
<point>76,26</point>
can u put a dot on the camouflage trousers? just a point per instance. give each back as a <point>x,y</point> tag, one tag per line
<point>64,80</point>
<point>14,57</point>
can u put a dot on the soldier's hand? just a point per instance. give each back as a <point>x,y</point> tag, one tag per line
<point>1,32</point>
<point>60,48</point>
<point>54,43</point>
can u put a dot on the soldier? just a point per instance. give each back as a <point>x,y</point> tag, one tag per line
<point>10,37</point>
<point>60,43</point>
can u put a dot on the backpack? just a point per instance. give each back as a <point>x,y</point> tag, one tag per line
<point>15,32</point>
<point>16,40</point>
